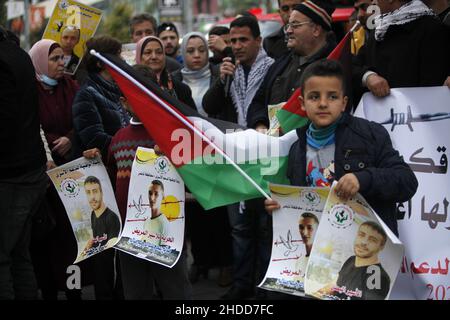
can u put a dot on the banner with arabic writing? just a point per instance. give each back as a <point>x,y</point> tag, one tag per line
<point>294,228</point>
<point>355,255</point>
<point>418,120</point>
<point>71,25</point>
<point>154,226</point>
<point>88,197</point>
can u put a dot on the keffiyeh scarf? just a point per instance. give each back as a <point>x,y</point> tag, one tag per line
<point>408,12</point>
<point>242,92</point>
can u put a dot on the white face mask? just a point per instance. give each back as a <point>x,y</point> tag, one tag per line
<point>49,81</point>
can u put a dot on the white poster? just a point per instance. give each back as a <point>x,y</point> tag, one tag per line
<point>418,120</point>
<point>355,255</point>
<point>154,226</point>
<point>128,53</point>
<point>294,228</point>
<point>88,197</point>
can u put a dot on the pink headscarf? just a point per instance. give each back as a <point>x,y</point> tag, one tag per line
<point>39,55</point>
<point>139,46</point>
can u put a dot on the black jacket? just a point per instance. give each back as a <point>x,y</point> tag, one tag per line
<point>184,93</point>
<point>21,150</point>
<point>275,44</point>
<point>257,111</point>
<point>217,105</point>
<point>416,54</point>
<point>97,115</point>
<point>365,149</point>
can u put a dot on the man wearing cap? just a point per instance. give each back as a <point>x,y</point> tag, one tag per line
<point>168,34</point>
<point>275,44</point>
<point>307,31</point>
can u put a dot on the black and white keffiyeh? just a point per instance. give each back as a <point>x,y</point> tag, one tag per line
<point>408,12</point>
<point>242,93</point>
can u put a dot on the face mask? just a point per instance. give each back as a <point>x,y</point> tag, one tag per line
<point>49,81</point>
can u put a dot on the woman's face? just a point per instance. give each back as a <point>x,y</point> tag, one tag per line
<point>154,57</point>
<point>196,54</point>
<point>56,64</point>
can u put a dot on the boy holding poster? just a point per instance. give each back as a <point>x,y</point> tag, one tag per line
<point>353,151</point>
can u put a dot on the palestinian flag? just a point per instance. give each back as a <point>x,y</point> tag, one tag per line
<point>291,116</point>
<point>205,151</point>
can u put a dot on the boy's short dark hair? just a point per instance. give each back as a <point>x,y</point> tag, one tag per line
<point>101,44</point>
<point>94,180</point>
<point>306,215</point>
<point>323,68</point>
<point>158,183</point>
<point>251,23</point>
<point>219,31</point>
<point>167,26</point>
<point>375,226</point>
<point>142,17</point>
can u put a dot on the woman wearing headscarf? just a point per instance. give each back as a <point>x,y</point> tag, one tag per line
<point>56,93</point>
<point>197,73</point>
<point>150,52</point>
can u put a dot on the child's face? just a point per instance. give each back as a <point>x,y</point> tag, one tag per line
<point>323,100</point>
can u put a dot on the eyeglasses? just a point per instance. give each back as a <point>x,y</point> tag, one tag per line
<point>286,8</point>
<point>295,25</point>
<point>56,58</point>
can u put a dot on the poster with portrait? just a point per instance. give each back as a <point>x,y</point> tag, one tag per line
<point>88,197</point>
<point>274,123</point>
<point>355,255</point>
<point>294,228</point>
<point>128,53</point>
<point>71,25</point>
<point>418,122</point>
<point>154,225</point>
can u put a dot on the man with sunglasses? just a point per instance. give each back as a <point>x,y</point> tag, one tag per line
<point>275,44</point>
<point>307,31</point>
<point>168,34</point>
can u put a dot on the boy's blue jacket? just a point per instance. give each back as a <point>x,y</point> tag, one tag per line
<point>365,149</point>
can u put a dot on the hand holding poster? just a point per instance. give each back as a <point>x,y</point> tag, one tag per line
<point>418,120</point>
<point>154,227</point>
<point>294,229</point>
<point>355,255</point>
<point>71,25</point>
<point>86,192</point>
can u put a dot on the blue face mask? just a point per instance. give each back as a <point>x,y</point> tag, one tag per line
<point>49,81</point>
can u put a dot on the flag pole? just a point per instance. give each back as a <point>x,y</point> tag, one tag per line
<point>356,25</point>
<point>183,120</point>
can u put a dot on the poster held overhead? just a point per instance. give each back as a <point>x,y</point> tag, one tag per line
<point>71,25</point>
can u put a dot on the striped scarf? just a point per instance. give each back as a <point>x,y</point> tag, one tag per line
<point>242,92</point>
<point>407,13</point>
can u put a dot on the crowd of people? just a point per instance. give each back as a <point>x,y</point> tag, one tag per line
<point>50,118</point>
